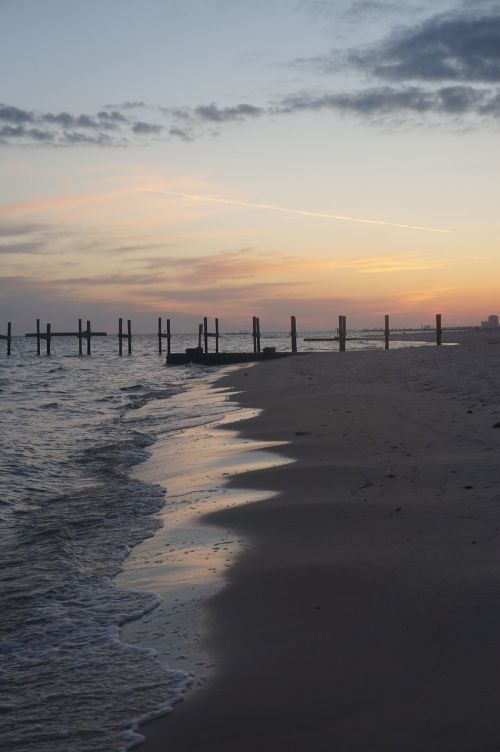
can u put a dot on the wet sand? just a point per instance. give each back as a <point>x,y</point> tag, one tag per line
<point>364,612</point>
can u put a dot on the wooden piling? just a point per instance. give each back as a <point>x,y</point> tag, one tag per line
<point>80,335</point>
<point>200,334</point>
<point>216,335</point>
<point>163,335</point>
<point>386,331</point>
<point>120,337</point>
<point>293,333</point>
<point>205,334</point>
<point>439,329</point>
<point>7,337</point>
<point>129,336</point>
<point>342,333</point>
<point>256,334</point>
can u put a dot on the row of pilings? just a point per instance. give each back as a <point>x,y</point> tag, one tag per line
<point>85,334</point>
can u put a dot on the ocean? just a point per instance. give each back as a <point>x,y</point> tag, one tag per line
<point>71,508</point>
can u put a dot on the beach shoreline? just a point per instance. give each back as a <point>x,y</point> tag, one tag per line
<point>364,613</point>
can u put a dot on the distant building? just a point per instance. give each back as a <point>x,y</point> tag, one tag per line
<point>491,323</point>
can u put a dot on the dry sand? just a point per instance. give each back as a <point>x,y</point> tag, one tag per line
<point>365,614</point>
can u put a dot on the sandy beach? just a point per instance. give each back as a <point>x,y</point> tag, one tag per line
<point>363,612</point>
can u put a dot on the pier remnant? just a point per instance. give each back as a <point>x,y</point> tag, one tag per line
<point>7,337</point>
<point>256,334</point>
<point>386,331</point>
<point>207,334</point>
<point>122,335</point>
<point>342,333</point>
<point>293,333</point>
<point>48,334</point>
<point>163,335</point>
<point>439,329</point>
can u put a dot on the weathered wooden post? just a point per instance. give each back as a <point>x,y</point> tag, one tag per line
<point>7,337</point>
<point>89,335</point>
<point>205,335</point>
<point>80,335</point>
<point>293,333</point>
<point>216,335</point>
<point>47,337</point>
<point>38,339</point>
<point>342,333</point>
<point>439,330</point>
<point>120,337</point>
<point>129,336</point>
<point>256,334</point>
<point>200,333</point>
<point>162,335</point>
<point>386,332</point>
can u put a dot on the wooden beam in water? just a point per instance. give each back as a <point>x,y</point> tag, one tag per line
<point>122,336</point>
<point>163,335</point>
<point>439,329</point>
<point>256,334</point>
<point>342,333</point>
<point>386,331</point>
<point>88,334</point>
<point>7,337</point>
<point>205,335</point>
<point>80,342</point>
<point>293,333</point>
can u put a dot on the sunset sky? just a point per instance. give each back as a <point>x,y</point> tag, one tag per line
<point>240,157</point>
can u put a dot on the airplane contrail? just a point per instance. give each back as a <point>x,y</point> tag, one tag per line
<point>300,212</point>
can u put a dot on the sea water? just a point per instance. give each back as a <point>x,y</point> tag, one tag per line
<point>72,429</point>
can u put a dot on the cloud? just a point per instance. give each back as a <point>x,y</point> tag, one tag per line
<point>462,48</point>
<point>181,133</point>
<point>28,247</point>
<point>11,114</point>
<point>446,67</point>
<point>147,129</point>
<point>107,127</point>
<point>11,231</point>
<point>215,114</point>
<point>388,100</point>
<point>25,238</point>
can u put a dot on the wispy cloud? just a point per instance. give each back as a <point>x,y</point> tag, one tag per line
<point>298,212</point>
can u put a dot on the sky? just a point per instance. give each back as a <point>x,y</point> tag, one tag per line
<point>234,158</point>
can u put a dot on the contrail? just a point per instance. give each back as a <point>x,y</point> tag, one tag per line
<point>300,212</point>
